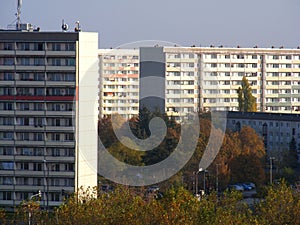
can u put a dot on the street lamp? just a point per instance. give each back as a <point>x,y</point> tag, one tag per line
<point>217,178</point>
<point>204,178</point>
<point>271,169</point>
<point>39,194</point>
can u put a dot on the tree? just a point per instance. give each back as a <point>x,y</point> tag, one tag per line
<point>247,102</point>
<point>280,206</point>
<point>293,154</point>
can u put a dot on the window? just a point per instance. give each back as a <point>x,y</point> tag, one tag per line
<point>8,46</point>
<point>54,197</point>
<point>6,136</point>
<point>288,57</point>
<point>70,62</point>
<point>213,56</point>
<point>6,106</point>
<point>9,61</point>
<point>56,46</point>
<point>8,76</point>
<point>6,151</point>
<point>24,166</point>
<point>24,61</point>
<point>7,181</point>
<point>70,47</point>
<point>39,62</point>
<point>24,46</point>
<point>38,46</point>
<point>6,165</point>
<point>37,166</point>
<point>6,121</point>
<point>5,195</point>
<point>56,62</point>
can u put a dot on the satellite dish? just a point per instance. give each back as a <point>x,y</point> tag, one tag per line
<point>64,26</point>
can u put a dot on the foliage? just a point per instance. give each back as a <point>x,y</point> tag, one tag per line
<point>281,206</point>
<point>128,205</point>
<point>247,102</point>
<point>2,216</point>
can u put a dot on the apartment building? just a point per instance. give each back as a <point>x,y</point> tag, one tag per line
<point>119,82</point>
<point>207,78</point>
<point>276,129</point>
<point>48,114</point>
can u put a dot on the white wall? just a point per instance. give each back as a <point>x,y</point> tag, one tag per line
<point>87,110</point>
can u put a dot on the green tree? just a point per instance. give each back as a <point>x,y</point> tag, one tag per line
<point>293,154</point>
<point>280,206</point>
<point>247,102</point>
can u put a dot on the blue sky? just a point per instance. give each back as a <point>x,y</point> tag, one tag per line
<point>190,22</point>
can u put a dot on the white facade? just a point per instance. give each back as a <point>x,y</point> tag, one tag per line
<point>48,115</point>
<point>119,82</point>
<point>207,78</point>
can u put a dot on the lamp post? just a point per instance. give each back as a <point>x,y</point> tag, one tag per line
<point>217,177</point>
<point>271,169</point>
<point>39,194</point>
<point>196,182</point>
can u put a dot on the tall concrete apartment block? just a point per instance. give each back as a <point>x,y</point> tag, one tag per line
<point>119,82</point>
<point>48,114</point>
<point>207,78</point>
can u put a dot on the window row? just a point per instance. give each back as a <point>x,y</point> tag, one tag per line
<point>35,151</point>
<point>24,136</point>
<point>37,61</point>
<point>37,46</point>
<point>119,57</point>
<point>38,91</point>
<point>30,121</point>
<point>120,79</point>
<point>37,106</point>
<point>9,165</point>
<point>38,76</point>
<point>123,72</point>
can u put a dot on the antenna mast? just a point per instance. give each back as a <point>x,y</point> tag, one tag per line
<point>18,25</point>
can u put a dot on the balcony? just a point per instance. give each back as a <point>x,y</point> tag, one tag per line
<point>7,52</point>
<point>60,159</point>
<point>60,113</point>
<point>60,128</point>
<point>7,127</point>
<point>30,83</point>
<point>7,67</point>
<point>29,158</point>
<point>70,144</point>
<point>61,53</point>
<point>29,143</point>
<point>7,83</point>
<point>60,83</point>
<point>30,67</point>
<point>30,53</point>
<point>61,68</point>
<point>29,173</point>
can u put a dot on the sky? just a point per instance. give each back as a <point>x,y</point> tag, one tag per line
<point>264,23</point>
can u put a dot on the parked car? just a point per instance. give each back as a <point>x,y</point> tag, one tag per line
<point>153,189</point>
<point>236,187</point>
<point>252,185</point>
<point>247,187</point>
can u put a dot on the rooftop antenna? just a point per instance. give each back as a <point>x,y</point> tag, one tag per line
<point>64,26</point>
<point>18,14</point>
